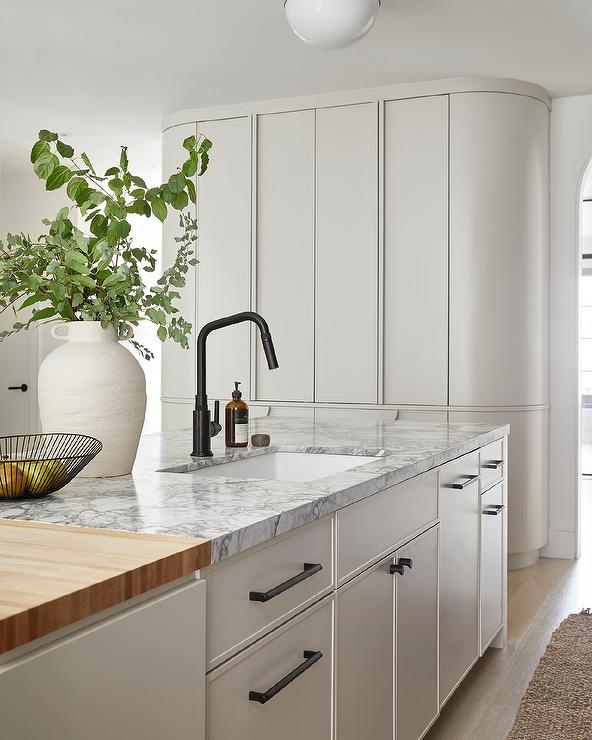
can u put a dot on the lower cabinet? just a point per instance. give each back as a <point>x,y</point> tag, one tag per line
<point>416,636</point>
<point>280,687</point>
<point>387,646</point>
<point>459,571</point>
<point>492,566</point>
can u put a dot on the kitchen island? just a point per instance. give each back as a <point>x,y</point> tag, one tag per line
<point>289,573</point>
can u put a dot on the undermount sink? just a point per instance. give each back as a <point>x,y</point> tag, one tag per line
<point>285,466</point>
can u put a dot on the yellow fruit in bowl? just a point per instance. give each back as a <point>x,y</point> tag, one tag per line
<point>38,474</point>
<point>12,481</point>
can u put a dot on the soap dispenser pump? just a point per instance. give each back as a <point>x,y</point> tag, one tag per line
<point>236,428</point>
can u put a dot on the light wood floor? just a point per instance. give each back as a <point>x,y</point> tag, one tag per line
<point>484,706</point>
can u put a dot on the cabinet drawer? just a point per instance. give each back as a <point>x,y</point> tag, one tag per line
<point>302,707</point>
<point>492,563</point>
<point>492,464</point>
<point>373,527</point>
<point>279,574</point>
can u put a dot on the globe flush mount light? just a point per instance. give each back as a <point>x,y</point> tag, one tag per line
<point>331,24</point>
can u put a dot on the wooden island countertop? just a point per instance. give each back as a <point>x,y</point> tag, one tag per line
<point>52,575</point>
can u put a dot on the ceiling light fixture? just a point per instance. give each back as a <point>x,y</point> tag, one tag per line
<point>331,24</point>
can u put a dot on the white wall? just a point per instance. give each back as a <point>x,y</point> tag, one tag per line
<point>571,149</point>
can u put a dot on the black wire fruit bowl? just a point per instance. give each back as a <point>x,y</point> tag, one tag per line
<point>35,465</point>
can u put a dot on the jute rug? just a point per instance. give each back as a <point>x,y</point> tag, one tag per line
<point>558,702</point>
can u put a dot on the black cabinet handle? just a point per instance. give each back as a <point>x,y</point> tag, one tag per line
<point>24,387</point>
<point>493,509</point>
<point>406,562</point>
<point>311,657</point>
<point>309,570</point>
<point>397,568</point>
<point>493,464</point>
<point>470,479</point>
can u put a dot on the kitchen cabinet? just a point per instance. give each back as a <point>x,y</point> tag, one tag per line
<point>459,571</point>
<point>347,254</point>
<point>285,252</point>
<point>224,251</point>
<point>145,664</point>
<point>281,687</point>
<point>493,517</point>
<point>498,250</point>
<point>178,365</point>
<point>416,251</point>
<point>416,636</point>
<point>364,655</point>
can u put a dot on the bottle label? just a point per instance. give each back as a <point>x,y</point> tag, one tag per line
<point>241,426</point>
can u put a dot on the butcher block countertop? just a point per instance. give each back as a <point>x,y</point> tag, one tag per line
<point>54,575</point>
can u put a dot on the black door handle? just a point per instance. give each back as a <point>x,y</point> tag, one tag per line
<point>263,697</point>
<point>397,568</point>
<point>309,570</point>
<point>24,387</point>
<point>465,484</point>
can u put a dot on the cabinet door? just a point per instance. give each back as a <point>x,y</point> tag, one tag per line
<point>459,571</point>
<point>347,264</point>
<point>492,563</point>
<point>498,250</point>
<point>416,641</point>
<point>416,251</point>
<point>224,249</point>
<point>364,655</point>
<point>285,252</point>
<point>178,365</point>
<point>300,705</point>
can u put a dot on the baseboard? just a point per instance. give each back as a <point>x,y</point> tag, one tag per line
<point>561,544</point>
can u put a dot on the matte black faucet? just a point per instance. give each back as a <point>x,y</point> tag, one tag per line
<point>203,427</point>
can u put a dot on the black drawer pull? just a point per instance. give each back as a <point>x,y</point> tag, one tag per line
<point>24,387</point>
<point>311,657</point>
<point>493,509</point>
<point>470,479</point>
<point>493,464</point>
<point>309,570</point>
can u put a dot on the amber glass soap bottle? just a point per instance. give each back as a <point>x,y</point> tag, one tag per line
<point>236,428</point>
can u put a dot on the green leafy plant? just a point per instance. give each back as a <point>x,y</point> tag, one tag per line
<point>97,274</point>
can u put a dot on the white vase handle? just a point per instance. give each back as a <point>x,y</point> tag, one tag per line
<point>55,333</point>
<point>127,334</point>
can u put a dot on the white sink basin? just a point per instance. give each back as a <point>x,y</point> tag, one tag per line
<point>285,466</point>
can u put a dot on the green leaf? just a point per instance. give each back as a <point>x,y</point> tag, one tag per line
<point>191,191</point>
<point>122,228</point>
<point>112,171</point>
<point>74,185</point>
<point>44,313</point>
<point>204,163</point>
<point>116,185</point>
<point>98,225</point>
<point>46,135</point>
<point>38,148</point>
<point>190,165</point>
<point>159,209</point>
<point>59,176</point>
<point>138,181</point>
<point>176,183</point>
<point>31,300</point>
<point>162,333</point>
<point>167,195</point>
<point>180,200</point>
<point>64,149</point>
<point>87,162</point>
<point>123,161</point>
<point>115,209</point>
<point>152,193</point>
<point>45,164</point>
<point>189,143</point>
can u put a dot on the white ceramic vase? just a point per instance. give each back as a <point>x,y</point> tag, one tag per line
<point>92,385</point>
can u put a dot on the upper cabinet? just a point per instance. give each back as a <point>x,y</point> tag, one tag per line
<point>346,366</point>
<point>224,250</point>
<point>498,250</point>
<point>285,252</point>
<point>178,365</point>
<point>416,251</point>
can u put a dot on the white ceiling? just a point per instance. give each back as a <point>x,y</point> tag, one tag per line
<point>112,69</point>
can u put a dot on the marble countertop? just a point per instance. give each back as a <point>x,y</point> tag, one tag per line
<point>237,514</point>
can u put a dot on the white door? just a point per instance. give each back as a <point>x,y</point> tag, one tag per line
<point>224,249</point>
<point>18,384</point>
<point>347,254</point>
<point>416,251</point>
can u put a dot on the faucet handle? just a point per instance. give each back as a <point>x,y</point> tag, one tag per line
<point>215,426</point>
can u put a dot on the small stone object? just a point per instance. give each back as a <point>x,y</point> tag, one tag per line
<point>260,440</point>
